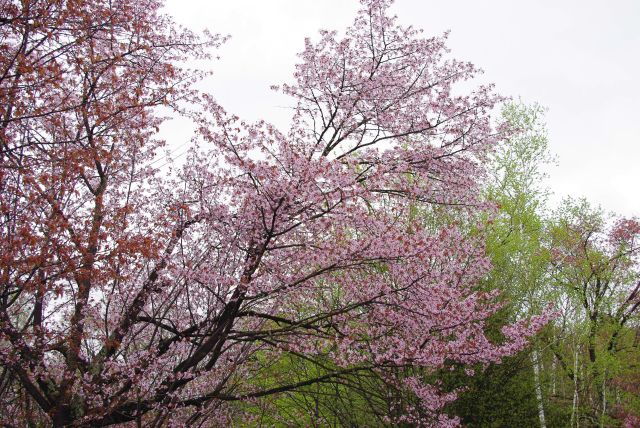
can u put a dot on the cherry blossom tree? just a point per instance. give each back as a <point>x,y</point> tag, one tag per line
<point>130,294</point>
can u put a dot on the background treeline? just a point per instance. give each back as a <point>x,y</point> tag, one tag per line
<point>582,370</point>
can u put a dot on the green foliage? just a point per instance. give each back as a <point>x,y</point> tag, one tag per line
<point>348,400</point>
<point>502,395</point>
<point>514,236</point>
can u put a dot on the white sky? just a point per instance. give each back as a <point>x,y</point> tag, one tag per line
<point>579,58</point>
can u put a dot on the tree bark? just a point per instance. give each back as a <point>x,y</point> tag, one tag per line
<point>535,359</point>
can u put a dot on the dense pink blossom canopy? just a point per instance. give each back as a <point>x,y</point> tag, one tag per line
<point>129,293</point>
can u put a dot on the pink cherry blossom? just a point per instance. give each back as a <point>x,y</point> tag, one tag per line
<point>133,294</point>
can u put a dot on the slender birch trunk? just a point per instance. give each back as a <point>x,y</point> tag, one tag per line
<point>574,406</point>
<point>535,359</point>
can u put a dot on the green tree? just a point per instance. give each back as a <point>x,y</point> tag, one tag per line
<point>511,393</point>
<point>595,260</point>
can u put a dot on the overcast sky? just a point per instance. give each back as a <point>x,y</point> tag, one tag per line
<point>578,58</point>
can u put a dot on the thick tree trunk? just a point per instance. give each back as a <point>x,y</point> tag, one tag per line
<point>604,398</point>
